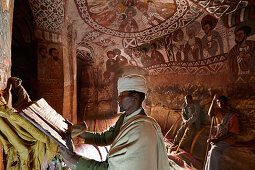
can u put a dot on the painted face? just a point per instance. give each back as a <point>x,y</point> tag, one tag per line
<point>43,52</point>
<point>207,28</point>
<point>191,33</point>
<point>130,14</point>
<point>142,9</point>
<point>240,36</point>
<point>110,56</point>
<point>54,53</point>
<point>125,100</point>
<point>117,53</point>
<point>152,48</point>
<point>179,36</point>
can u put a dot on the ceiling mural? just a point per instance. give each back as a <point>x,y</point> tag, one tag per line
<point>185,41</point>
<point>145,19</point>
<point>196,49</point>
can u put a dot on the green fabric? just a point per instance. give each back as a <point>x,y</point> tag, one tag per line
<point>91,165</point>
<point>106,137</point>
<point>24,145</point>
<point>100,139</point>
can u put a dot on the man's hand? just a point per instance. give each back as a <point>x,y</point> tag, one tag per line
<point>212,141</point>
<point>78,129</point>
<point>186,124</point>
<point>215,97</point>
<point>69,143</point>
<point>69,155</point>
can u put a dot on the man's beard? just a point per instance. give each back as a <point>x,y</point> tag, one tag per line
<point>122,109</point>
<point>239,42</point>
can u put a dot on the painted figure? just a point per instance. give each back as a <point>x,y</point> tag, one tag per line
<point>242,55</point>
<point>129,24</point>
<point>164,9</point>
<point>129,2</point>
<point>145,59</point>
<point>119,20</point>
<point>54,64</point>
<point>120,59</point>
<point>149,19</point>
<point>42,62</point>
<point>190,120</point>
<point>178,46</point>
<point>156,56</point>
<point>211,41</point>
<point>106,18</point>
<point>110,63</point>
<point>193,48</point>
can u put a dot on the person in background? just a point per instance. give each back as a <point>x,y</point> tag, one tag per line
<point>223,133</point>
<point>190,120</point>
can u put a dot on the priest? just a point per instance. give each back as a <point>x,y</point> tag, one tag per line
<point>136,139</point>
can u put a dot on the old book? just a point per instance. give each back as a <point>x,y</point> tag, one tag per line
<point>45,118</point>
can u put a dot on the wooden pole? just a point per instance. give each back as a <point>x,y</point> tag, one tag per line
<point>181,140</point>
<point>206,152</point>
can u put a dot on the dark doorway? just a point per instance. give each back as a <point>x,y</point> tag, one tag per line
<point>24,47</point>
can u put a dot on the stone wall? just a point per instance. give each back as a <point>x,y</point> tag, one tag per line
<point>6,12</point>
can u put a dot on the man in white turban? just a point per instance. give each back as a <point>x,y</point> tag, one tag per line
<point>136,139</point>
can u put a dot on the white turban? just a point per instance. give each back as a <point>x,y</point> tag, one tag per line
<point>132,82</point>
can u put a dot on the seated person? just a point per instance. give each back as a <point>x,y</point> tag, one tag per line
<point>190,120</point>
<point>224,131</point>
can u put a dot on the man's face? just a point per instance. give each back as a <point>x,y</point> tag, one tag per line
<point>125,100</point>
<point>221,103</point>
<point>188,100</point>
<point>240,36</point>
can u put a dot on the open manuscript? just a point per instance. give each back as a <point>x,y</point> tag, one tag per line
<point>45,118</point>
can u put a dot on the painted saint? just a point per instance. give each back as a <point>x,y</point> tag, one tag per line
<point>242,55</point>
<point>129,24</point>
<point>193,48</point>
<point>212,42</point>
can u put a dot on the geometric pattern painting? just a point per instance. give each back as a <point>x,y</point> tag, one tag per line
<point>48,15</point>
<point>210,65</point>
<point>137,18</point>
<point>220,7</point>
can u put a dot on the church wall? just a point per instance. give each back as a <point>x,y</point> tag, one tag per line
<point>178,66</point>
<point>56,64</point>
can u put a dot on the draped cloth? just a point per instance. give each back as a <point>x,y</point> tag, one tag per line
<point>136,143</point>
<point>24,145</point>
<point>139,145</point>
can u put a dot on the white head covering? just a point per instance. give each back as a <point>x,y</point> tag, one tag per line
<point>132,82</point>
